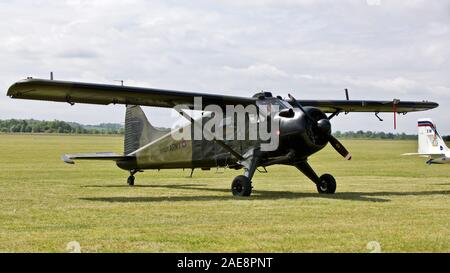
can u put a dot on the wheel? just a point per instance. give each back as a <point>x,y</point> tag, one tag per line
<point>241,186</point>
<point>130,180</point>
<point>327,184</point>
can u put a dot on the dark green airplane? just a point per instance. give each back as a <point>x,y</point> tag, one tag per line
<point>304,128</point>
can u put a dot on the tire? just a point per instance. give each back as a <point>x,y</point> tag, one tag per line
<point>241,186</point>
<point>130,181</point>
<point>327,184</point>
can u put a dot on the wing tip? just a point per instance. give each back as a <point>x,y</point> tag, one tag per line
<point>14,89</point>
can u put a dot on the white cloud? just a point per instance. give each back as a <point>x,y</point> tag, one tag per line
<point>258,71</point>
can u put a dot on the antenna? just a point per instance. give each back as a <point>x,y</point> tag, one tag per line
<point>346,94</point>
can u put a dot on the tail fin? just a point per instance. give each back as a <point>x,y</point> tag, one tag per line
<point>430,142</point>
<point>138,130</point>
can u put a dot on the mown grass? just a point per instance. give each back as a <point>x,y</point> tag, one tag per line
<point>397,201</point>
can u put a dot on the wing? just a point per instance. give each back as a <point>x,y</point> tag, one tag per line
<point>76,92</point>
<point>330,106</point>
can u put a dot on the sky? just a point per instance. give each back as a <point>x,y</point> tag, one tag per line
<point>378,49</point>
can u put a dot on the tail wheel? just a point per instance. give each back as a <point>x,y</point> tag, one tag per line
<point>241,186</point>
<point>327,184</point>
<point>130,180</point>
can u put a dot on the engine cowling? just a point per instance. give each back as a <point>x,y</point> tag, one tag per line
<point>298,133</point>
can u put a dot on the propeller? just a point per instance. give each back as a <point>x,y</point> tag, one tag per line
<point>324,127</point>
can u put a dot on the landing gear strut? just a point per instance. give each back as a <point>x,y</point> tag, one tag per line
<point>130,180</point>
<point>325,184</point>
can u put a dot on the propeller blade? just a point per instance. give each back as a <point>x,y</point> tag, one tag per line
<point>302,109</point>
<point>325,127</point>
<point>339,147</point>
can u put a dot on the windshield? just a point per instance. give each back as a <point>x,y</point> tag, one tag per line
<point>274,105</point>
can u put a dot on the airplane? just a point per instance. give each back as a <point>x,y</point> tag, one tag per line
<point>430,143</point>
<point>304,128</point>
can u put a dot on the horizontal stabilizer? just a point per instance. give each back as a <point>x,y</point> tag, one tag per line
<point>424,155</point>
<point>69,159</point>
<point>408,154</point>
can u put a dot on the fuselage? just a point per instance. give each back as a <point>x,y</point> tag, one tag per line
<point>440,159</point>
<point>295,133</point>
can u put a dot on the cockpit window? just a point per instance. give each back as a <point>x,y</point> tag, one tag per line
<point>270,106</point>
<point>269,103</point>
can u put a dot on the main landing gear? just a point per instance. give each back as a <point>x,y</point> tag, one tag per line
<point>242,184</point>
<point>325,184</point>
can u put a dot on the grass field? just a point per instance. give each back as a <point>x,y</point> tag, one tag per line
<point>399,202</point>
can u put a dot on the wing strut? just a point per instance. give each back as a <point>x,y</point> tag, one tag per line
<point>220,142</point>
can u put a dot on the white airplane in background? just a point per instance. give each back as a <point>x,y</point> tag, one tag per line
<point>431,144</point>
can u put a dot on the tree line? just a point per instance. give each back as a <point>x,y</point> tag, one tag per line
<point>57,126</point>
<point>378,135</point>
<point>373,135</point>
<point>63,127</point>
